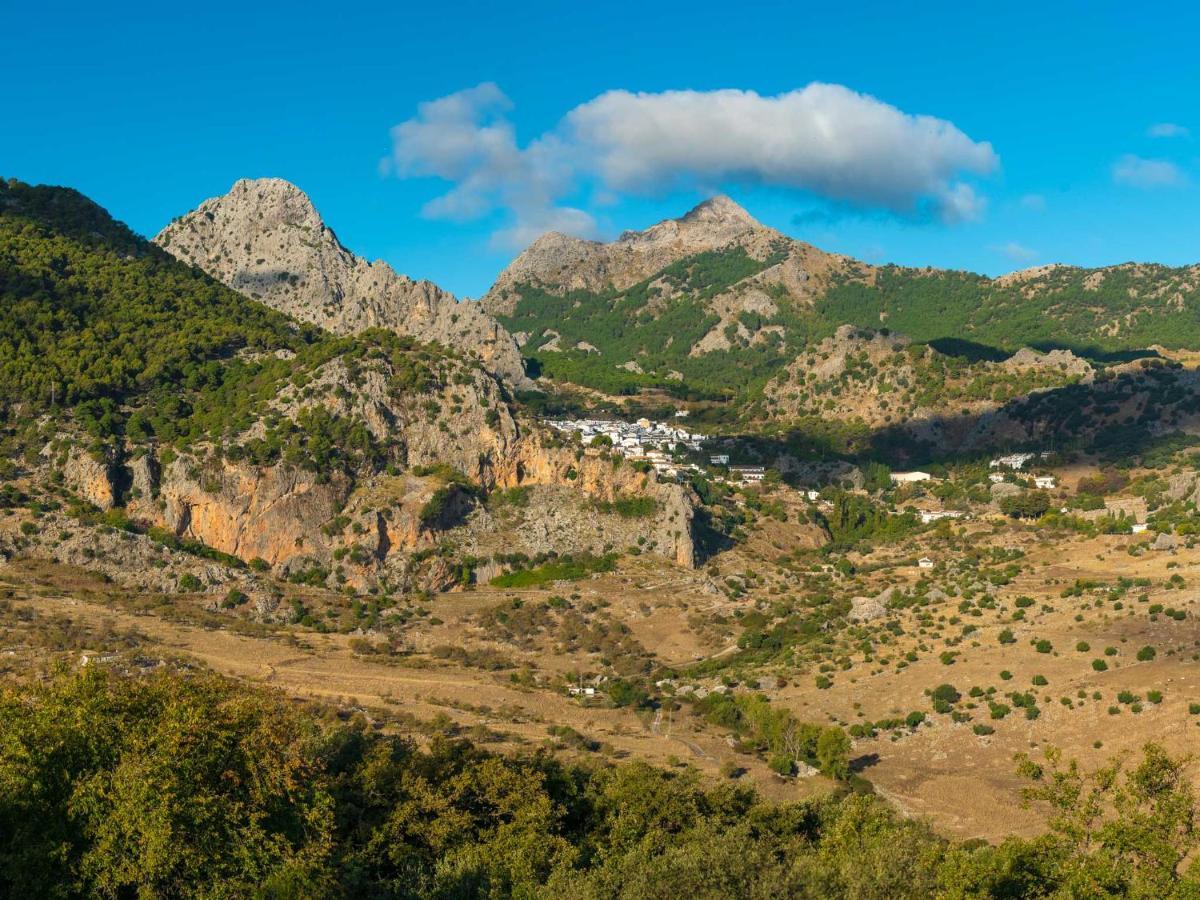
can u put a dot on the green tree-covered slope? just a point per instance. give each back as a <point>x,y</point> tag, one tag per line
<point>102,327</point>
<point>1120,308</point>
<point>656,323</point>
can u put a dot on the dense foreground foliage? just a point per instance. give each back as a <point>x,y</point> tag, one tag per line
<point>193,786</point>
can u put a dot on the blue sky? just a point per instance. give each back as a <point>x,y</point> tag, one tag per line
<point>151,110</point>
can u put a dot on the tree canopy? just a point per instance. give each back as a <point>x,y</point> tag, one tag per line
<point>190,785</point>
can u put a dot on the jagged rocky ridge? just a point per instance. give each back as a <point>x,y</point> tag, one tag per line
<point>265,239</point>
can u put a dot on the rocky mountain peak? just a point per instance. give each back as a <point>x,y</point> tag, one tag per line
<point>721,211</point>
<point>560,262</point>
<point>266,239</point>
<point>274,200</point>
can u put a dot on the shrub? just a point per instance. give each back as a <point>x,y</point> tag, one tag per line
<point>630,507</point>
<point>1146,654</point>
<point>233,598</point>
<point>947,693</point>
<point>782,764</point>
<point>1027,505</point>
<point>1099,665</point>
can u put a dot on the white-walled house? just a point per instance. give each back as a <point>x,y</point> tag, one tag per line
<point>748,473</point>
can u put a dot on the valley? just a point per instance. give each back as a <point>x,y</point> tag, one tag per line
<point>778,548</point>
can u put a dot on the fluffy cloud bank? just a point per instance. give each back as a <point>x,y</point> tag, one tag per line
<point>824,139</point>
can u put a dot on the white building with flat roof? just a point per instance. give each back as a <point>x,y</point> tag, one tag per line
<point>748,473</point>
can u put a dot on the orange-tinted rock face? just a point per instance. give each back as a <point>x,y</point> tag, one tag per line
<point>290,517</point>
<point>273,513</point>
<point>90,478</point>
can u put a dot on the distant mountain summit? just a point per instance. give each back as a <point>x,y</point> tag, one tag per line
<point>558,262</point>
<point>266,240</point>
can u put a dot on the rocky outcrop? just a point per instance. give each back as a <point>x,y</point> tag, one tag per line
<point>130,560</point>
<point>1184,486</point>
<point>273,513</point>
<point>91,478</point>
<point>884,379</point>
<point>556,518</point>
<point>369,526</point>
<point>463,421</point>
<point>265,239</point>
<point>669,531</point>
<point>1062,360</point>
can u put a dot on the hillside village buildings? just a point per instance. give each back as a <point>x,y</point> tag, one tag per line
<point>1016,461</point>
<point>643,440</point>
<point>936,515</point>
<point>654,443</point>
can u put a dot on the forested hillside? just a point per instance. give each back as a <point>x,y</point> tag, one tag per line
<point>1128,307</point>
<point>135,344</point>
<point>586,337</point>
<point>190,786</point>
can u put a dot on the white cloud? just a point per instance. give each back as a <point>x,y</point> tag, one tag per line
<point>1016,252</point>
<point>465,139</point>
<point>1033,202</point>
<point>1136,171</point>
<point>824,139</point>
<point>1167,130</point>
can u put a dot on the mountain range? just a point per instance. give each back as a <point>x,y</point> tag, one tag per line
<point>716,304</point>
<point>712,305</point>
